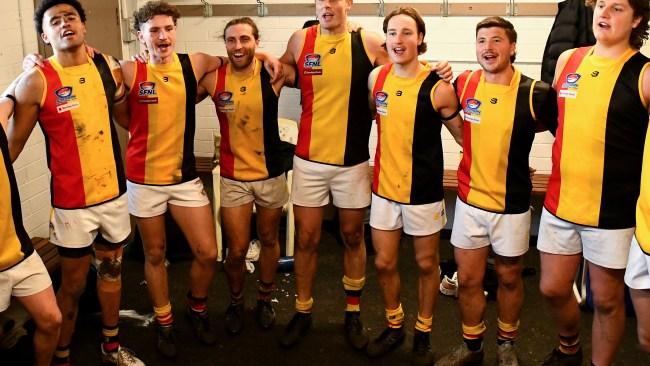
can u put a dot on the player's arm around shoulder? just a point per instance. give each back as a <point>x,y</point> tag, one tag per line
<point>645,86</point>
<point>126,72</point>
<point>207,85</point>
<point>30,94</point>
<point>446,103</point>
<point>204,63</point>
<point>294,47</point>
<point>374,44</point>
<point>544,104</point>
<point>372,79</point>
<point>288,78</point>
<point>559,66</point>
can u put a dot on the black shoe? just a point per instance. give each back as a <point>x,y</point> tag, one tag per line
<point>234,319</point>
<point>166,341</point>
<point>558,358</point>
<point>297,327</point>
<point>387,341</point>
<point>200,323</point>
<point>422,354</point>
<point>264,314</point>
<point>355,334</point>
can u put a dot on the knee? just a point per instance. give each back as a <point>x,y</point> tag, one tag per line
<point>50,323</point>
<point>552,290</point>
<point>427,265</point>
<point>307,239</point>
<point>73,288</point>
<point>109,268</point>
<point>352,235</point>
<point>385,265</point>
<point>235,255</point>
<point>206,253</point>
<point>469,280</point>
<point>510,278</point>
<point>154,253</point>
<point>605,304</point>
<point>268,238</point>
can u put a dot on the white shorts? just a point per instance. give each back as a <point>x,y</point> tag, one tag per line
<point>637,274</point>
<point>417,220</point>
<point>269,193</point>
<point>312,183</point>
<point>26,278</point>
<point>149,201</point>
<point>607,248</point>
<point>475,228</point>
<point>78,228</point>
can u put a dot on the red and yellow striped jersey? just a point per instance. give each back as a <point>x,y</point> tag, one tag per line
<point>247,107</point>
<point>408,160</point>
<point>82,146</point>
<point>598,149</point>
<point>498,132</point>
<point>14,241</point>
<point>161,104</point>
<point>335,121</point>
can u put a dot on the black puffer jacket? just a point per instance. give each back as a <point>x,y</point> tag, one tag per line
<point>571,29</point>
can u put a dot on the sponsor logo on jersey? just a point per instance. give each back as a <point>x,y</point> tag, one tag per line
<point>65,99</point>
<point>312,65</point>
<point>147,92</point>
<point>381,103</point>
<point>472,111</point>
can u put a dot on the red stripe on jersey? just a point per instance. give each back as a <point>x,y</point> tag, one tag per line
<point>552,199</point>
<point>379,85</point>
<point>466,162</point>
<point>307,91</point>
<point>136,155</point>
<point>226,157</point>
<point>64,160</point>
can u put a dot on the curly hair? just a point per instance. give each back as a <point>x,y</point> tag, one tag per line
<point>151,9</point>
<point>641,10</point>
<point>45,5</point>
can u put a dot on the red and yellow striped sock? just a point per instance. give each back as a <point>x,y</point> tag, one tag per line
<point>507,332</point>
<point>353,289</point>
<point>110,341</point>
<point>395,317</point>
<point>424,324</point>
<point>164,316</point>
<point>473,336</point>
<point>198,305</point>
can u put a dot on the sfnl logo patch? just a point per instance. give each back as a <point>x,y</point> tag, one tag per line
<point>147,93</point>
<point>312,65</point>
<point>65,99</point>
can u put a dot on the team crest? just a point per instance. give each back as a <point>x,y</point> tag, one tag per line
<point>147,93</point>
<point>472,110</point>
<point>381,103</point>
<point>65,99</point>
<point>570,86</point>
<point>225,104</point>
<point>312,65</point>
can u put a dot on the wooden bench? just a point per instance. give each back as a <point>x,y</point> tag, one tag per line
<point>540,182</point>
<point>49,254</point>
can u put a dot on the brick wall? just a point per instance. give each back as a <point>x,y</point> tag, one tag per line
<point>31,169</point>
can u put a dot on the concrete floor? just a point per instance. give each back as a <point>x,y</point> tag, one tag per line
<point>325,344</point>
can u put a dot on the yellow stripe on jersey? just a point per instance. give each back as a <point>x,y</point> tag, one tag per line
<point>329,102</point>
<point>166,124</point>
<point>490,167</point>
<point>94,141</point>
<point>583,141</point>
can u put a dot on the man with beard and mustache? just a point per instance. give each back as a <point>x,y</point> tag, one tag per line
<point>251,163</point>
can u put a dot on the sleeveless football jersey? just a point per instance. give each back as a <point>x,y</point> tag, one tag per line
<point>598,149</point>
<point>333,77</point>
